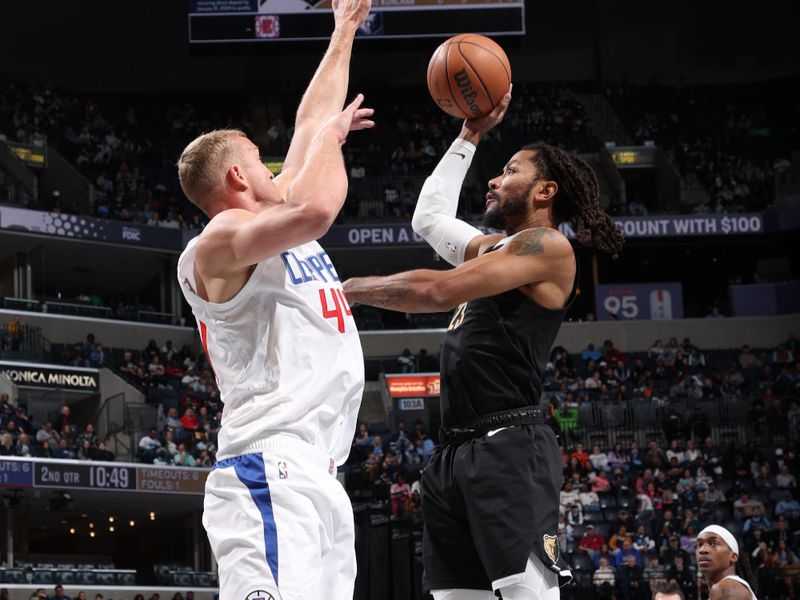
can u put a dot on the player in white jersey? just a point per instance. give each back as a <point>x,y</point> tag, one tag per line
<point>281,341</point>
<point>717,553</point>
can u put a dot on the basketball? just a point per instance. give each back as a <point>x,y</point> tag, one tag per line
<point>468,75</point>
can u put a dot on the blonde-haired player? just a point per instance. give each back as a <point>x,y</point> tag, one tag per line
<point>282,342</point>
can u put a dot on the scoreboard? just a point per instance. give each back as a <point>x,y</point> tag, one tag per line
<point>251,21</point>
<point>24,473</point>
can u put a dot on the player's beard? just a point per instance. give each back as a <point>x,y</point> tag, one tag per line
<point>513,208</point>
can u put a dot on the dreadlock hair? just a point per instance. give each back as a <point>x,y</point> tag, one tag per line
<point>577,201</point>
<point>744,569</point>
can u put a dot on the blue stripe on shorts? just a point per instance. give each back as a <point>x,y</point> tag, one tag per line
<point>250,471</point>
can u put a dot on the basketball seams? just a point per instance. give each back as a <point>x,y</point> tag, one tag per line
<point>477,75</point>
<point>432,68</point>
<point>499,58</point>
<point>449,81</point>
<point>436,76</point>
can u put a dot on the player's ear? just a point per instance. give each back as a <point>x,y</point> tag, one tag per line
<point>545,190</point>
<point>235,178</point>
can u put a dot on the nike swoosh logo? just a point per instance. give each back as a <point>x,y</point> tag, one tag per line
<point>494,431</point>
<point>463,156</point>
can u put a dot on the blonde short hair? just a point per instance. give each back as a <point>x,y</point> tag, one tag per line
<point>204,163</point>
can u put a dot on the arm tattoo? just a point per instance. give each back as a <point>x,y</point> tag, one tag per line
<point>383,292</point>
<point>730,592</point>
<point>529,242</point>
<point>388,296</point>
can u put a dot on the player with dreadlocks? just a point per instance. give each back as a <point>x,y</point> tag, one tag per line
<point>727,575</point>
<point>490,495</point>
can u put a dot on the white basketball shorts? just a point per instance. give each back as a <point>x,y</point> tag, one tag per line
<point>280,524</point>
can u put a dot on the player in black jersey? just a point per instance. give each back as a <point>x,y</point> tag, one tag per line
<point>490,495</point>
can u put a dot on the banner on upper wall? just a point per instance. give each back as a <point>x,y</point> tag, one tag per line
<point>684,225</point>
<point>372,235</point>
<point>343,236</point>
<point>629,301</point>
<point>632,227</point>
<point>89,228</point>
<point>72,379</point>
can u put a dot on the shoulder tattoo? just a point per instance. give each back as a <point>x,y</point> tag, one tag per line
<point>530,241</point>
<point>730,592</point>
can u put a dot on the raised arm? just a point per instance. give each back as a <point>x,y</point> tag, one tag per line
<point>435,214</point>
<point>533,256</point>
<point>326,92</point>
<point>236,239</point>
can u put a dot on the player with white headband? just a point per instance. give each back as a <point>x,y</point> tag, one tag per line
<point>717,553</point>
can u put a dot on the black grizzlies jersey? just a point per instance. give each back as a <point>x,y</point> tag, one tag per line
<point>494,355</point>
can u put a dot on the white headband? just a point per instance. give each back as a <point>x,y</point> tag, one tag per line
<point>726,535</point>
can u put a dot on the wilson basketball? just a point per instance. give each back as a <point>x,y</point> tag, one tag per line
<point>468,75</point>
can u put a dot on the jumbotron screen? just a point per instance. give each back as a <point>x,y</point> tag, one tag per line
<point>248,21</point>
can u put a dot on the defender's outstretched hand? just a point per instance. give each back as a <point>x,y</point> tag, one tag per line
<point>352,12</point>
<point>473,129</point>
<point>352,118</point>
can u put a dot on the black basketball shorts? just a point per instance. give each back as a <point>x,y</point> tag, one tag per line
<point>487,504</point>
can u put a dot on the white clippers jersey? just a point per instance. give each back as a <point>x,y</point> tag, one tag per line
<point>285,352</point>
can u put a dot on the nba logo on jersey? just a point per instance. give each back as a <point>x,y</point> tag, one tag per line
<point>332,467</point>
<point>660,304</point>
<point>283,473</point>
